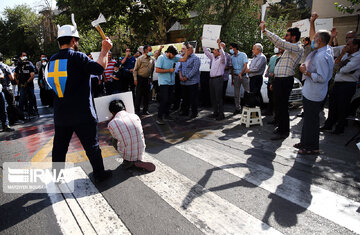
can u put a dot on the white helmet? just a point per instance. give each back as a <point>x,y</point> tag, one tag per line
<point>68,30</point>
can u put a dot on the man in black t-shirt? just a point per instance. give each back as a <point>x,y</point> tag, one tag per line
<point>119,81</point>
<point>69,76</point>
<point>24,76</point>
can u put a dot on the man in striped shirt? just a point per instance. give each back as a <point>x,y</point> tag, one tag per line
<point>108,72</point>
<point>126,128</point>
<point>284,76</point>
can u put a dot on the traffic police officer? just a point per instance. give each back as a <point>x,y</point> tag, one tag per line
<point>69,76</point>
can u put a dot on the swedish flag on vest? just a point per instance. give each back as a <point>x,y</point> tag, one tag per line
<point>57,76</point>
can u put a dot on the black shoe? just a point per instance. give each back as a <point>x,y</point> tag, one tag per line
<point>102,176</point>
<point>300,114</point>
<point>168,118</point>
<point>220,117</point>
<point>8,129</point>
<point>325,128</point>
<point>279,136</point>
<point>236,112</point>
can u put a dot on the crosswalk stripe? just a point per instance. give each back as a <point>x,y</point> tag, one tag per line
<point>329,205</point>
<point>85,211</point>
<point>206,210</point>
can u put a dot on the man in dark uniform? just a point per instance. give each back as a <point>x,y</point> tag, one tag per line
<point>128,64</point>
<point>24,76</point>
<point>69,76</point>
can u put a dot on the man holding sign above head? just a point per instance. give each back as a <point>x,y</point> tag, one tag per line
<point>218,64</point>
<point>165,68</point>
<point>69,76</point>
<point>284,75</point>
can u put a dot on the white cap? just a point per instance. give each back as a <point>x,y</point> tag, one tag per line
<point>276,50</point>
<point>68,30</point>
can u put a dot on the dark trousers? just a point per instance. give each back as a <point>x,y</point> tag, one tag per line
<point>108,88</point>
<point>130,81</point>
<point>255,85</point>
<point>3,114</point>
<point>177,92</point>
<point>281,92</point>
<point>165,96</point>
<point>216,93</point>
<point>224,88</point>
<point>270,96</point>
<point>204,89</point>
<point>88,137</point>
<point>190,99</point>
<point>311,121</point>
<point>339,104</point>
<point>27,99</point>
<point>142,93</point>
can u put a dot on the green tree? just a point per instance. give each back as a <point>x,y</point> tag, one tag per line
<point>295,9</point>
<point>239,19</point>
<point>130,23</point>
<point>348,9</point>
<point>19,31</point>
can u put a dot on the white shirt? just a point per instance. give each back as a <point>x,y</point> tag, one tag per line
<point>126,128</point>
<point>351,71</point>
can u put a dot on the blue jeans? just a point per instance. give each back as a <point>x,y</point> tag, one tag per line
<point>3,114</point>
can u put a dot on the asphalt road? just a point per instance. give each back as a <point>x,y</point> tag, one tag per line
<point>212,177</point>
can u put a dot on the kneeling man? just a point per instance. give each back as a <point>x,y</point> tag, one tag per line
<point>126,128</point>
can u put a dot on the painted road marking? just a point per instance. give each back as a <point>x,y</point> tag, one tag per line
<point>327,204</point>
<point>207,211</point>
<point>75,157</point>
<point>85,211</point>
<point>43,152</point>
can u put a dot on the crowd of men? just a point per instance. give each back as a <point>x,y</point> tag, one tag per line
<point>174,79</point>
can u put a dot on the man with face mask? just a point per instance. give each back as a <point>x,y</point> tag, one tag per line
<point>24,76</point>
<point>143,71</point>
<point>69,76</point>
<point>46,93</point>
<point>239,61</point>
<point>317,71</point>
<point>165,68</point>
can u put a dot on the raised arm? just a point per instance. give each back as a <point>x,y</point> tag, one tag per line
<point>158,53</point>
<point>184,59</point>
<point>313,17</point>
<point>279,42</point>
<point>333,35</point>
<point>103,57</point>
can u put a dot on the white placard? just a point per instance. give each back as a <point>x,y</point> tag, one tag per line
<point>326,24</point>
<point>211,33</point>
<point>263,14</point>
<point>304,27</point>
<point>95,55</point>
<point>205,63</point>
<point>102,104</point>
